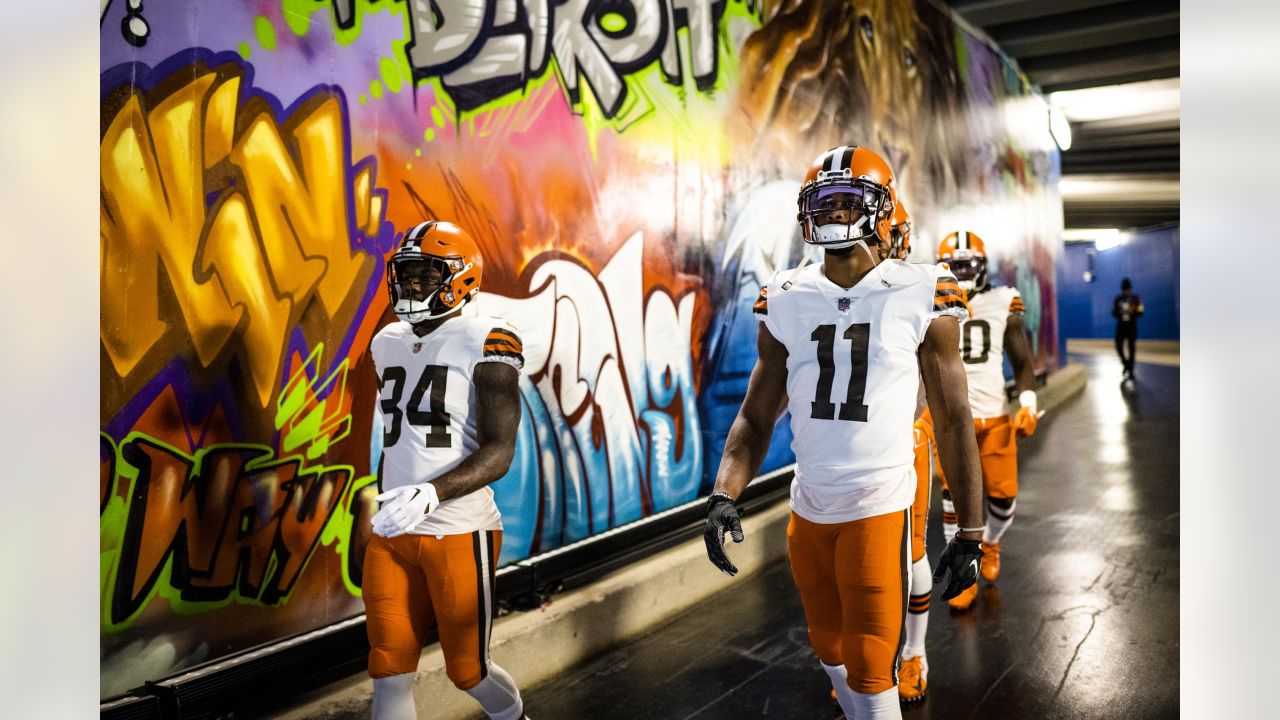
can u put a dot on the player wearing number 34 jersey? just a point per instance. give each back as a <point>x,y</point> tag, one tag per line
<point>449,399</point>
<point>842,346</point>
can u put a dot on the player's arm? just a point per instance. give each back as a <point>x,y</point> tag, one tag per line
<point>1018,348</point>
<point>746,446</point>
<point>948,392</point>
<point>497,419</point>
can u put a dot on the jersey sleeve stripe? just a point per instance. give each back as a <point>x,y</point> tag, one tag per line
<point>498,336</point>
<point>503,344</point>
<point>950,305</point>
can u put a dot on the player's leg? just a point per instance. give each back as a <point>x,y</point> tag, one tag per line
<point>1120,338</point>
<point>998,452</point>
<point>872,557</point>
<point>1131,338</point>
<point>460,571</point>
<point>913,675</point>
<point>811,553</point>
<point>397,618</point>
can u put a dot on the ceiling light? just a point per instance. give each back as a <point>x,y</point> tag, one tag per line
<point>1102,238</point>
<point>1115,101</point>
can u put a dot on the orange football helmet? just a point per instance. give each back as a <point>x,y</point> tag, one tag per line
<point>450,255</point>
<point>852,184</point>
<point>900,232</point>
<point>966,255</point>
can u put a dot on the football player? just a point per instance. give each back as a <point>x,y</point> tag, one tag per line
<point>842,345</point>
<point>913,671</point>
<point>450,400</point>
<point>994,327</point>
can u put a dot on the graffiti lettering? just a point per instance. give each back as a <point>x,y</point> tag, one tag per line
<point>610,428</point>
<point>484,49</point>
<point>228,519</point>
<point>242,214</point>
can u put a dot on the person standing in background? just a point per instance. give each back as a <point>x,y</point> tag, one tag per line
<point>1126,310</point>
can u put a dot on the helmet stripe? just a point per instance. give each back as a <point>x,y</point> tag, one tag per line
<point>846,159</point>
<point>419,230</point>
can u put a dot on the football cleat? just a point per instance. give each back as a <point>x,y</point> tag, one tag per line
<point>912,679</point>
<point>965,598</point>
<point>990,561</point>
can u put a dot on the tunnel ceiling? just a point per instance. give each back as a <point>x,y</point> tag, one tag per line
<point>1121,171</point>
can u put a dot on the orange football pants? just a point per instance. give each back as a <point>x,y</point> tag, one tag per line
<point>413,581</point>
<point>925,451</point>
<point>998,452</point>
<point>852,579</point>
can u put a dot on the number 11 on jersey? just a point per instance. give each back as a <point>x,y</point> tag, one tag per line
<point>859,335</point>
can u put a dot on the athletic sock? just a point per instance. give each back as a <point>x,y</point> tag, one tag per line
<point>393,698</point>
<point>918,607</point>
<point>839,677</point>
<point>879,706</point>
<point>948,519</point>
<point>498,695</point>
<point>998,520</point>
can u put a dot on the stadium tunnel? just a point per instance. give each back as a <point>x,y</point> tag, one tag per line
<point>630,202</point>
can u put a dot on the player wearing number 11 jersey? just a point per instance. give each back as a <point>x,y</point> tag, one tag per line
<point>842,346</point>
<point>450,403</point>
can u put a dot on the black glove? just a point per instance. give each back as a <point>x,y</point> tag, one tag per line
<point>962,558</point>
<point>722,517</point>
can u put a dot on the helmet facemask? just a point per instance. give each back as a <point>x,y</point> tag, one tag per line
<point>836,213</point>
<point>970,270</point>
<point>421,285</point>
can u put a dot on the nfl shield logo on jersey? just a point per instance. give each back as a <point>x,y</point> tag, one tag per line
<point>417,346</point>
<point>843,303</point>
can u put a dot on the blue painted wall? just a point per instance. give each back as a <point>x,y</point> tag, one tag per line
<point>1149,259</point>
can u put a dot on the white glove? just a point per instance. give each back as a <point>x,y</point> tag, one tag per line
<point>1027,399</point>
<point>403,508</point>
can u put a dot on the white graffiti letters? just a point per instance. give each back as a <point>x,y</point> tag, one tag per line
<point>483,49</point>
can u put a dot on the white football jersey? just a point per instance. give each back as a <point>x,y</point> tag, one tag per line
<point>982,348</point>
<point>852,379</point>
<point>428,410</point>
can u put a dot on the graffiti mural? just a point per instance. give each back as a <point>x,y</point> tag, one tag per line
<point>629,170</point>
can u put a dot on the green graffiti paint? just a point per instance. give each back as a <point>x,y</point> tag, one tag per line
<point>368,7</point>
<point>437,117</point>
<point>417,152</point>
<point>244,50</point>
<point>613,22</point>
<point>375,89</point>
<point>429,134</point>
<point>266,33</point>
<point>297,14</point>
<point>341,528</point>
<point>362,99</point>
<point>390,73</point>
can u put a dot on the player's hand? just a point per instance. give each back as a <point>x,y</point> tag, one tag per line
<point>961,559</point>
<point>403,507</point>
<point>1028,416</point>
<point>722,517</point>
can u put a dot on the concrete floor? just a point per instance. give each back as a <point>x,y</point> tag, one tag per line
<point>1083,622</point>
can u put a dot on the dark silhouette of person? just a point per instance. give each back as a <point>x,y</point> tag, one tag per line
<point>1126,310</point>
